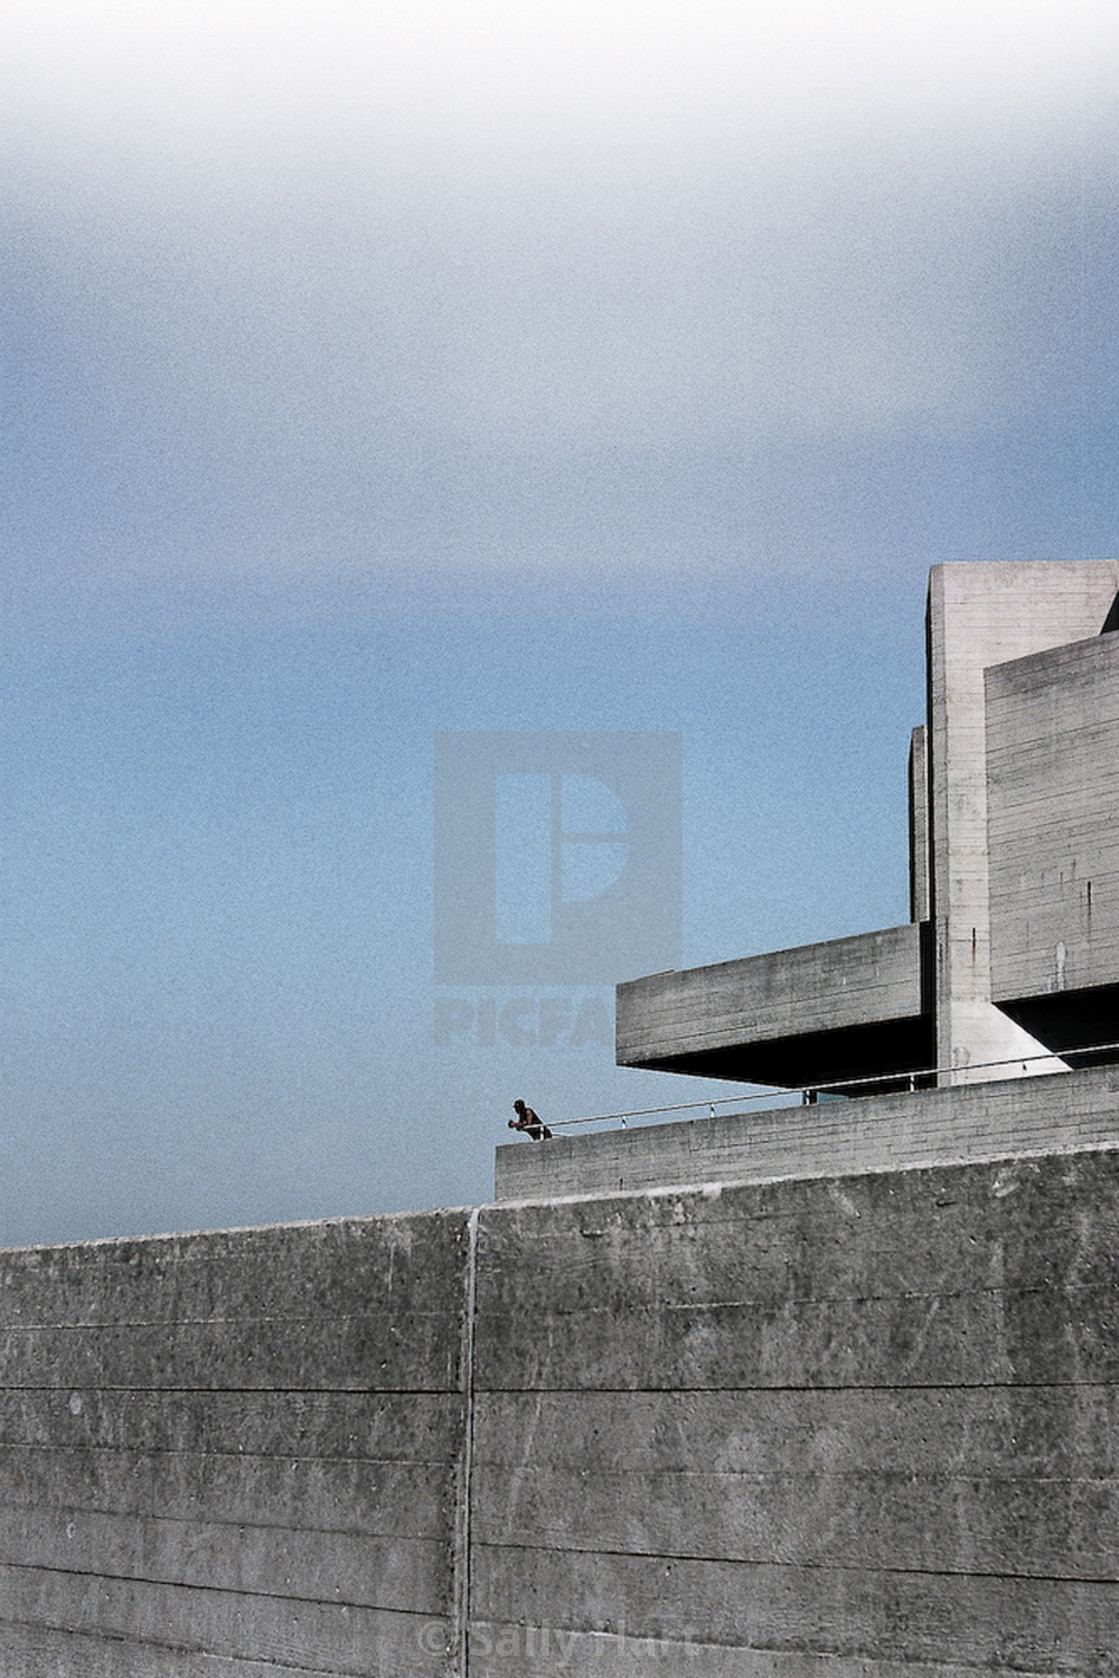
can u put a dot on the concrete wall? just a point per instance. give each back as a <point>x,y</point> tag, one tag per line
<point>842,1427</point>
<point>233,1453</point>
<point>920,898</point>
<point>1076,1111</point>
<point>831,1427</point>
<point>1053,796</point>
<point>981,615</point>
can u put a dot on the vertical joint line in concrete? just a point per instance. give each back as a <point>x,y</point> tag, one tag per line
<point>460,1605</point>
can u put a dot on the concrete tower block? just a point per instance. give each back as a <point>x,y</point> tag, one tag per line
<point>981,615</point>
<point>1053,802</point>
<point>1010,962</point>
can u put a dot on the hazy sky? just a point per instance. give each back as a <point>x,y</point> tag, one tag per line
<point>374,371</point>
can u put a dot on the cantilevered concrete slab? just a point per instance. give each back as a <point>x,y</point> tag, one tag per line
<point>1012,953</point>
<point>846,1009</point>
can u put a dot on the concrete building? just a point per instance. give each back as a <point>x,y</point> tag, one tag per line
<point>775,1395</point>
<point>1010,961</point>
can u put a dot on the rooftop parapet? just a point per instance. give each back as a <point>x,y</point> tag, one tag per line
<point>1010,1118</point>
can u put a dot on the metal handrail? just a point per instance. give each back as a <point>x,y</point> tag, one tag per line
<point>837,1088</point>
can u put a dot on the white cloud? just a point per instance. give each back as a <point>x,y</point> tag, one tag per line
<point>430,67</point>
<point>265,264</point>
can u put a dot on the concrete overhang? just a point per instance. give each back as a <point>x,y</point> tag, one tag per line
<point>850,1008</point>
<point>1081,1026</point>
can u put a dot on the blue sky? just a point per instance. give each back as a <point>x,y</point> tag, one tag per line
<point>374,372</point>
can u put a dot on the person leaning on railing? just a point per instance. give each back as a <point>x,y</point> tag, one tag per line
<point>529,1121</point>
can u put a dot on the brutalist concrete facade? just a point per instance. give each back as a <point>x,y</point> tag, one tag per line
<point>1011,959</point>
<point>771,1396</point>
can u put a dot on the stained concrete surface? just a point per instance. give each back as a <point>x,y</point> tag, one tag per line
<point>830,1425</point>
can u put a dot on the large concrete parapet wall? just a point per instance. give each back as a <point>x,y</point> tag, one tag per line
<point>233,1453</point>
<point>848,1426</point>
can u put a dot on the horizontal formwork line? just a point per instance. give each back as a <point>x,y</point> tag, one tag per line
<point>755,1477</point>
<point>759,1478</point>
<point>715,1197</point>
<point>375,1311</point>
<point>335,1393</point>
<point>80,1448</point>
<point>977,1476</point>
<point>659,1307</point>
<point>1099,870</point>
<point>150,1517</point>
<point>676,1389</point>
<point>136,1641</point>
<point>807,1566</point>
<point>839,1660</point>
<point>215,1590</point>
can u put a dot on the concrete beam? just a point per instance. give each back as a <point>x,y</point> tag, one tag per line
<point>815,1014</point>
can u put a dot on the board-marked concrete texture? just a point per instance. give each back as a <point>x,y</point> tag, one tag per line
<point>894,1132</point>
<point>847,1426</point>
<point>841,1009</point>
<point>1053,769</point>
<point>979,616</point>
<point>234,1452</point>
